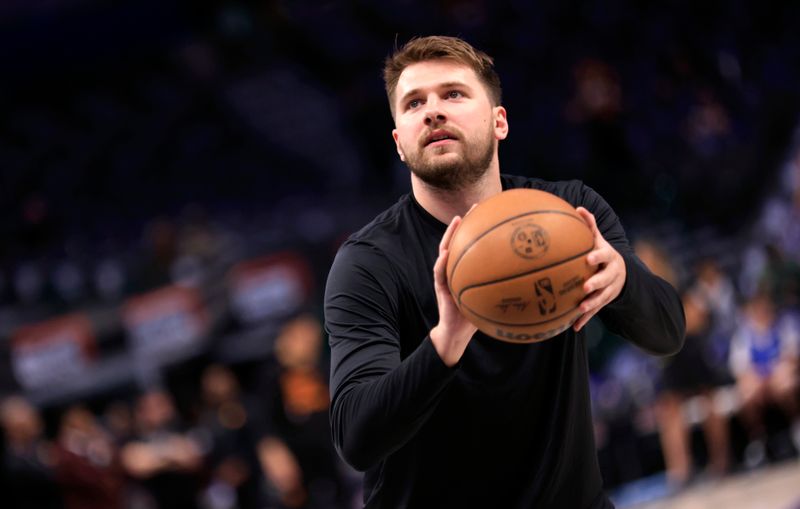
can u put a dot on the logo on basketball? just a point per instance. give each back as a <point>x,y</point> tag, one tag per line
<point>514,303</point>
<point>545,296</point>
<point>530,241</point>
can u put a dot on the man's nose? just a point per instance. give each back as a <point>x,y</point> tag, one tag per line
<point>433,113</point>
<point>434,116</point>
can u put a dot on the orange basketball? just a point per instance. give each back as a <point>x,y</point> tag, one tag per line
<point>517,265</point>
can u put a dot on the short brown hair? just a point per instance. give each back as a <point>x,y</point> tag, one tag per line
<point>435,47</point>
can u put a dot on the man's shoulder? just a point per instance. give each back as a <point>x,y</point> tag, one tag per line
<point>382,234</point>
<point>376,250</point>
<point>573,191</point>
<point>385,224</point>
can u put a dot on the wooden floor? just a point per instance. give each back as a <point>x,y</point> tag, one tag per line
<point>772,487</point>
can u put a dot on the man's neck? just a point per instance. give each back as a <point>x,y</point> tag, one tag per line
<point>444,205</point>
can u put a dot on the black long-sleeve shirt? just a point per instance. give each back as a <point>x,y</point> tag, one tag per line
<point>510,425</point>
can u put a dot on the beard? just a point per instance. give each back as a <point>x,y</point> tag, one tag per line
<point>454,173</point>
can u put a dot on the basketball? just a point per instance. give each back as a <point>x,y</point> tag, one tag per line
<point>517,265</point>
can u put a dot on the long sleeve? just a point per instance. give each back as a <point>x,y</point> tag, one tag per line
<point>424,432</point>
<point>380,395</point>
<point>648,312</point>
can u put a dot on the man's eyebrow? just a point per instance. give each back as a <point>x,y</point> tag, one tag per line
<point>447,84</point>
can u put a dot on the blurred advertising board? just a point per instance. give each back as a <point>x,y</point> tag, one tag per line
<point>52,352</point>
<point>269,287</point>
<point>165,324</point>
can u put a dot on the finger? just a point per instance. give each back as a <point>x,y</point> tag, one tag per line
<point>448,234</point>
<point>439,276</point>
<point>602,252</point>
<point>579,323</point>
<point>588,217</point>
<point>587,304</point>
<point>440,286</point>
<point>583,320</point>
<point>599,254</point>
<point>595,301</point>
<point>590,306</point>
<point>601,279</point>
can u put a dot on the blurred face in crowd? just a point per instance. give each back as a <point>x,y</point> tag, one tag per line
<point>708,272</point>
<point>78,419</point>
<point>446,128</point>
<point>20,420</point>
<point>298,345</point>
<point>219,385</point>
<point>154,411</point>
<point>119,419</point>
<point>761,312</point>
<point>696,315</point>
<point>78,427</point>
<point>655,260</point>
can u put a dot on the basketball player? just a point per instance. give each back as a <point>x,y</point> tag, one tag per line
<point>437,414</point>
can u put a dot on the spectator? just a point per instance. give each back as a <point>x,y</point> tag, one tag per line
<point>714,290</point>
<point>780,221</point>
<point>226,421</point>
<point>165,459</point>
<point>296,449</point>
<point>781,278</point>
<point>118,420</point>
<point>717,292</point>
<point>688,374</point>
<point>28,459</point>
<point>657,260</point>
<point>87,463</point>
<point>708,126</point>
<point>764,360</point>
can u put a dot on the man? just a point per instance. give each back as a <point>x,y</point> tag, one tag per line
<point>437,414</point>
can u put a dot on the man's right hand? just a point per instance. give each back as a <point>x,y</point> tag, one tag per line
<point>452,334</point>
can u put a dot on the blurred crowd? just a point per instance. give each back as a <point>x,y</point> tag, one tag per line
<point>224,447</point>
<point>730,399</point>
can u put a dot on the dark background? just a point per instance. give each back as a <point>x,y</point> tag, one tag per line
<point>116,113</point>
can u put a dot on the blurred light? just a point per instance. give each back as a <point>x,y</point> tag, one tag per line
<point>109,279</point>
<point>28,283</point>
<point>68,281</point>
<point>729,66</point>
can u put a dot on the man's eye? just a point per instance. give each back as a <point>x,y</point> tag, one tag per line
<point>454,94</point>
<point>414,103</point>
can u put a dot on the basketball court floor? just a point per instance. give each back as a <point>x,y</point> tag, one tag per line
<point>770,487</point>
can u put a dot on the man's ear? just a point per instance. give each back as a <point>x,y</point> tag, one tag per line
<point>500,122</point>
<point>397,145</point>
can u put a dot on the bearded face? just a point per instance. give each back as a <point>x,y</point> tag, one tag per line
<point>446,127</point>
<point>454,165</point>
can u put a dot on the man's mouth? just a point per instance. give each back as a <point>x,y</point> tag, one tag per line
<point>438,137</point>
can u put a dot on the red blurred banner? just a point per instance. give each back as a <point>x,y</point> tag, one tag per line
<point>270,287</point>
<point>164,321</point>
<point>52,351</point>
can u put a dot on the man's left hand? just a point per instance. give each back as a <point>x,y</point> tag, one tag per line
<point>607,283</point>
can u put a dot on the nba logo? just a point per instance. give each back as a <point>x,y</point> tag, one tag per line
<point>545,296</point>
